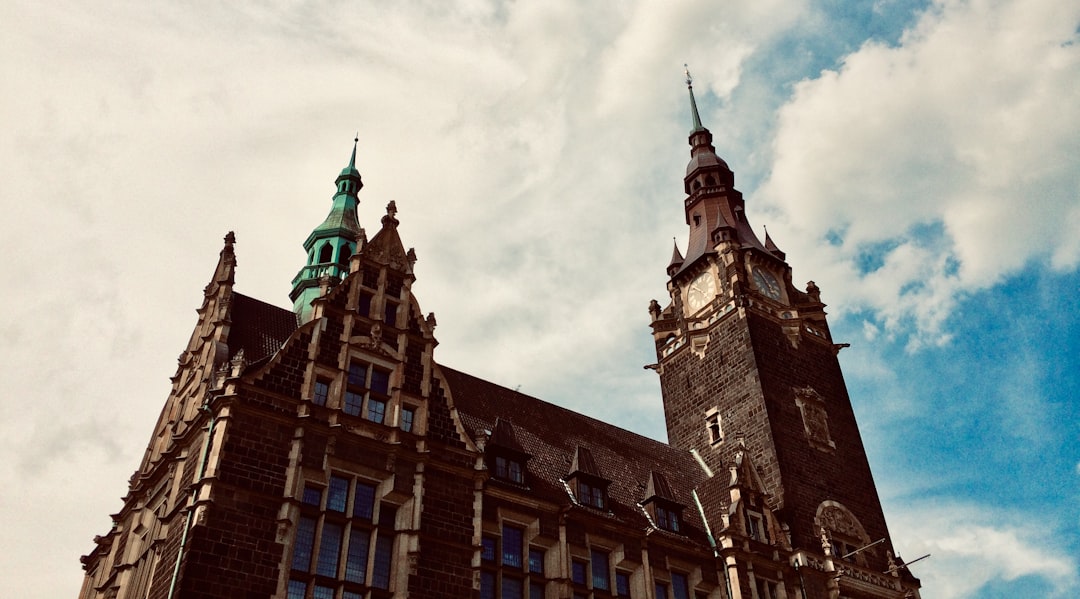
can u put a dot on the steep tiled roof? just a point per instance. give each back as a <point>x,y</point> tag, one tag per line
<point>504,436</point>
<point>259,328</point>
<point>584,463</point>
<point>552,436</point>
<point>658,486</point>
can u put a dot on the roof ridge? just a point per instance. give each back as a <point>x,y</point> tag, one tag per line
<point>591,419</point>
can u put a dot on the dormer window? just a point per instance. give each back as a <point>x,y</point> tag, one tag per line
<point>585,480</point>
<point>667,519</point>
<point>591,495</point>
<point>755,526</point>
<point>506,458</point>
<point>509,469</point>
<point>660,504</point>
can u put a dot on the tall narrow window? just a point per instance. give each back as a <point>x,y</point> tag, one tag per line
<point>712,423</point>
<point>304,545</point>
<point>329,550</point>
<point>507,574</point>
<point>326,253</point>
<point>337,494</point>
<point>622,585</point>
<point>600,573</point>
<point>408,416</point>
<point>390,313</point>
<point>380,572</point>
<point>512,546</point>
<point>578,570</point>
<point>357,557</point>
<point>364,305</point>
<point>322,392</point>
<point>680,586</point>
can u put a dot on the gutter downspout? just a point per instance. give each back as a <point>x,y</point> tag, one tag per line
<point>194,497</point>
<point>712,540</point>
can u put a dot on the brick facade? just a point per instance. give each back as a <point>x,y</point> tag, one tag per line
<point>327,454</point>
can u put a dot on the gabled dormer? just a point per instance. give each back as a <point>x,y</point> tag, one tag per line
<point>749,514</point>
<point>660,504</point>
<point>585,480</point>
<point>504,455</point>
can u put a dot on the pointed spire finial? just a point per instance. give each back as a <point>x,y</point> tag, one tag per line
<point>693,103</point>
<point>352,159</point>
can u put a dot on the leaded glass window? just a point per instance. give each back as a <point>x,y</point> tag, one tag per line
<point>338,552</point>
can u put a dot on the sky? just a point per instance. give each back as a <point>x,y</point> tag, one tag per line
<point>920,161</point>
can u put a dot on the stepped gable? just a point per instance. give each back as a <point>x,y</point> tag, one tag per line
<point>258,328</point>
<point>551,435</point>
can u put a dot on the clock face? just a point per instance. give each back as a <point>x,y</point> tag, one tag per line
<point>701,291</point>
<point>766,283</point>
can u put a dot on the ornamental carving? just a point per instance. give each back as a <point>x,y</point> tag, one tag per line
<point>837,519</point>
<point>815,418</point>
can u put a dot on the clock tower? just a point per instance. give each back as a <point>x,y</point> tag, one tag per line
<point>752,387</point>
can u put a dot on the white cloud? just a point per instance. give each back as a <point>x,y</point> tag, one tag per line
<point>521,142</point>
<point>534,151</point>
<point>972,546</point>
<point>961,132</point>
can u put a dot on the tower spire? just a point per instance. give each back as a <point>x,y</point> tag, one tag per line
<point>352,159</point>
<point>693,103</point>
<point>330,244</point>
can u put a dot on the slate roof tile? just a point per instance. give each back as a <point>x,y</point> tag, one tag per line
<point>552,434</point>
<point>259,328</point>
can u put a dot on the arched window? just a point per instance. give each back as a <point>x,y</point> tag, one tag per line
<point>344,253</point>
<point>844,533</point>
<point>326,253</point>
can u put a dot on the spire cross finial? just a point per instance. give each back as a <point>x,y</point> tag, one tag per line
<point>689,79</point>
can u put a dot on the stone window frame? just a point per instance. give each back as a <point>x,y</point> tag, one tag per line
<point>585,557</point>
<point>373,399</point>
<point>317,505</point>
<point>673,569</point>
<point>842,531</point>
<point>531,567</point>
<point>714,426</point>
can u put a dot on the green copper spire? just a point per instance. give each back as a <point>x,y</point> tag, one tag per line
<point>693,103</point>
<point>330,244</point>
<point>351,169</point>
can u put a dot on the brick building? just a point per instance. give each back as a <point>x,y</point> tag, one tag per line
<point>323,452</point>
